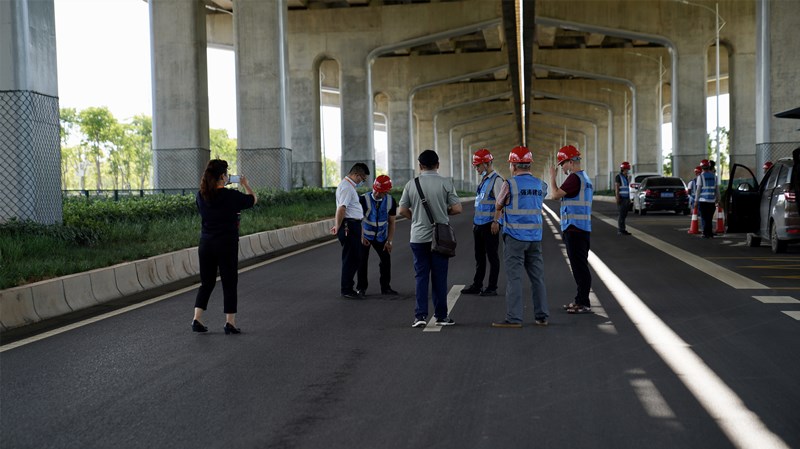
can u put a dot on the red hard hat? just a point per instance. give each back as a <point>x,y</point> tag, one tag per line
<point>704,163</point>
<point>625,165</point>
<point>382,184</point>
<point>767,165</point>
<point>482,156</point>
<point>566,153</point>
<point>520,155</point>
<point>698,170</point>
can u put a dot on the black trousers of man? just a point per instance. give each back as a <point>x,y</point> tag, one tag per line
<point>707,210</point>
<point>577,243</point>
<point>622,207</point>
<point>350,237</point>
<point>385,266</point>
<point>486,247</point>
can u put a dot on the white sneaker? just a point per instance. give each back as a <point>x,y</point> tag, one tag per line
<point>419,322</point>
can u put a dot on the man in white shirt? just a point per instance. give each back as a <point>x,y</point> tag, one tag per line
<point>347,226</point>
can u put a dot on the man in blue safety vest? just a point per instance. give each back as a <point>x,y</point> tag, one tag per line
<point>576,222</point>
<point>622,192</point>
<point>707,197</point>
<point>520,204</point>
<point>486,242</point>
<point>377,231</point>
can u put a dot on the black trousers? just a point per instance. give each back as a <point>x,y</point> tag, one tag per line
<point>577,243</point>
<point>385,266</point>
<point>622,207</point>
<point>486,247</point>
<point>222,255</point>
<point>350,238</point>
<point>707,212</point>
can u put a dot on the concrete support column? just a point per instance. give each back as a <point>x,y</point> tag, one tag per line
<point>400,169</point>
<point>647,120</point>
<point>180,92</point>
<point>30,150</point>
<point>741,82</point>
<point>305,125</point>
<point>262,92</point>
<point>691,81</point>
<point>356,126</point>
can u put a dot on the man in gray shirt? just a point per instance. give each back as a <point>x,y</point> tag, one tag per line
<point>429,268</point>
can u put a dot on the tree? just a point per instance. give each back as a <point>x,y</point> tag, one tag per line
<point>223,147</point>
<point>140,137</point>
<point>98,126</point>
<point>332,173</point>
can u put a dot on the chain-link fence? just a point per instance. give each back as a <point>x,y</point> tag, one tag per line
<point>30,156</point>
<point>179,168</point>
<point>266,167</point>
<point>772,151</point>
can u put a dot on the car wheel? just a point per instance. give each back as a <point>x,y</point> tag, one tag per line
<point>753,241</point>
<point>778,246</point>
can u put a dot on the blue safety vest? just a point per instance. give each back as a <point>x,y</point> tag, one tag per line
<point>707,192</point>
<point>522,216</point>
<point>577,211</point>
<point>375,225</point>
<point>624,190</point>
<point>485,200</point>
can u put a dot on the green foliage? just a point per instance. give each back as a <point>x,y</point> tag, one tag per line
<point>223,147</point>
<point>333,173</point>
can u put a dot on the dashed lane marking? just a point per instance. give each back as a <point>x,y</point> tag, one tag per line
<point>777,299</point>
<point>452,297</point>
<point>793,313</point>
<point>725,275</point>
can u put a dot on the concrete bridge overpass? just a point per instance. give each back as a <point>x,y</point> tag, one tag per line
<point>413,62</point>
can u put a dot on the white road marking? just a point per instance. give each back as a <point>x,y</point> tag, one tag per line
<point>776,299</point>
<point>653,402</point>
<point>725,275</point>
<point>452,297</point>
<point>742,427</point>
<point>793,313</point>
<point>104,316</point>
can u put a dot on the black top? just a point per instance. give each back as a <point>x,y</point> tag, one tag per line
<point>220,218</point>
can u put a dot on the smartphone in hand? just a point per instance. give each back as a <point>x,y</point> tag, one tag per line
<point>234,179</point>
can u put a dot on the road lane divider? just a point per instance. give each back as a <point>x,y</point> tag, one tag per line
<point>452,298</point>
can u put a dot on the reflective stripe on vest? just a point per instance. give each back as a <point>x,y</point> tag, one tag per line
<point>707,192</point>
<point>577,211</point>
<point>375,225</point>
<point>485,201</point>
<point>624,190</point>
<point>522,217</point>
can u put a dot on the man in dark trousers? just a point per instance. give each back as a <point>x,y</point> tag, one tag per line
<point>707,197</point>
<point>347,226</point>
<point>377,231</point>
<point>622,192</point>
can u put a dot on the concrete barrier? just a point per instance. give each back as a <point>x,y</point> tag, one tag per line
<point>16,307</point>
<point>29,304</point>
<point>127,279</point>
<point>48,299</point>
<point>147,273</point>
<point>78,291</point>
<point>104,285</point>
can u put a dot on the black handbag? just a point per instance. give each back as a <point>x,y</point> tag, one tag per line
<point>444,237</point>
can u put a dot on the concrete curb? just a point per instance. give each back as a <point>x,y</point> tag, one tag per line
<point>29,304</point>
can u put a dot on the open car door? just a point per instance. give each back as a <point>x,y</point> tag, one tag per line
<point>741,199</point>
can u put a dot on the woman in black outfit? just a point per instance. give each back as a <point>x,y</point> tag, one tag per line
<point>219,240</point>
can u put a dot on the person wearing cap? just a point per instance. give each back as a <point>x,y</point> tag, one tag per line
<point>377,231</point>
<point>707,197</point>
<point>622,192</point>
<point>430,268</point>
<point>767,166</point>
<point>692,186</point>
<point>347,226</point>
<point>486,242</point>
<point>576,222</point>
<point>520,204</point>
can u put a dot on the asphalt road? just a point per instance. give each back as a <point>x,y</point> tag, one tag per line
<point>674,357</point>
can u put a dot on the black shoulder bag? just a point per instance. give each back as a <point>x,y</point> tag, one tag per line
<point>444,238</point>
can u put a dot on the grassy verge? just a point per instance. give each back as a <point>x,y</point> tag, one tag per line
<point>98,233</point>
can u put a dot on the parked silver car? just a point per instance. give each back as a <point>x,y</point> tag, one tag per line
<point>767,210</point>
<point>636,181</point>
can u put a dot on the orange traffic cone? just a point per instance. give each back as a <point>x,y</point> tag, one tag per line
<point>694,228</point>
<point>720,222</point>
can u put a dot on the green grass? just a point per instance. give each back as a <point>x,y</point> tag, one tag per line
<point>98,233</point>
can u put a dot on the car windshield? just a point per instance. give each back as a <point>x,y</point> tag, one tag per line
<point>664,182</point>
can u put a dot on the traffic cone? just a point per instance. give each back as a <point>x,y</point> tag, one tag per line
<point>720,222</point>
<point>694,228</point>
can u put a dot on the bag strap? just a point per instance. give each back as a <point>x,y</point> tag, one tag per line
<point>424,201</point>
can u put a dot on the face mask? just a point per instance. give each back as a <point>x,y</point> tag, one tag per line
<point>482,174</point>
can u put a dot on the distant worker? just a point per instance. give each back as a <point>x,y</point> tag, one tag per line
<point>347,226</point>
<point>219,241</point>
<point>576,222</point>
<point>692,186</point>
<point>520,204</point>
<point>767,166</point>
<point>377,231</point>
<point>430,268</point>
<point>622,192</point>
<point>707,197</point>
<point>486,242</point>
